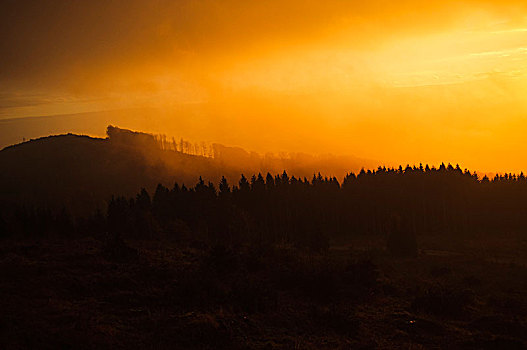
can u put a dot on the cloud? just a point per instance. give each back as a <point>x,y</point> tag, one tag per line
<point>61,42</point>
<point>298,75</point>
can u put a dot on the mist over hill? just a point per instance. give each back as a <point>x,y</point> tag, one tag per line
<point>83,172</point>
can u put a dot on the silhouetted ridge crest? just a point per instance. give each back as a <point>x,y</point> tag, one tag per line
<point>82,172</point>
<point>128,137</point>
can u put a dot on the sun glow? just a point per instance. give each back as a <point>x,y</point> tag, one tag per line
<point>442,81</point>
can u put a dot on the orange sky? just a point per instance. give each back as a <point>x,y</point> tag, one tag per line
<point>405,82</point>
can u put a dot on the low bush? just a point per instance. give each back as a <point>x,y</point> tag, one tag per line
<point>442,301</point>
<point>116,249</point>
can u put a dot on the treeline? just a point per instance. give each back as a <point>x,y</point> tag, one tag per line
<point>304,212</point>
<point>184,146</point>
<point>159,141</point>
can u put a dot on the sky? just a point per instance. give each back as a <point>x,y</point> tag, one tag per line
<point>398,82</point>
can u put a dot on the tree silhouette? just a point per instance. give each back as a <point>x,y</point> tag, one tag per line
<point>283,209</point>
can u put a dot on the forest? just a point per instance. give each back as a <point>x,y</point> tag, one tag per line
<point>393,257</point>
<point>306,212</point>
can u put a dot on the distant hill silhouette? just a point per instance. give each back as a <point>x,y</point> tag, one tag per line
<point>83,172</point>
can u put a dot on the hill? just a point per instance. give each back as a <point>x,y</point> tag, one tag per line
<point>83,172</point>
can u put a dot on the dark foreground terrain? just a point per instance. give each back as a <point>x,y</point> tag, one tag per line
<point>96,293</point>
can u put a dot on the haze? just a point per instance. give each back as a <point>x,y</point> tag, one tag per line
<point>398,82</point>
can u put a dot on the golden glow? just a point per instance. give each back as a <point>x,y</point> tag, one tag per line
<point>406,83</point>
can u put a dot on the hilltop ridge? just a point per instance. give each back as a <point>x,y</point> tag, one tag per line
<point>83,172</point>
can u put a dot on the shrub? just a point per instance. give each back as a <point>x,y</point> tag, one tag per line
<point>401,240</point>
<point>339,320</point>
<point>220,260</point>
<point>116,249</point>
<point>441,301</point>
<point>402,244</point>
<point>362,274</point>
<point>252,296</point>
